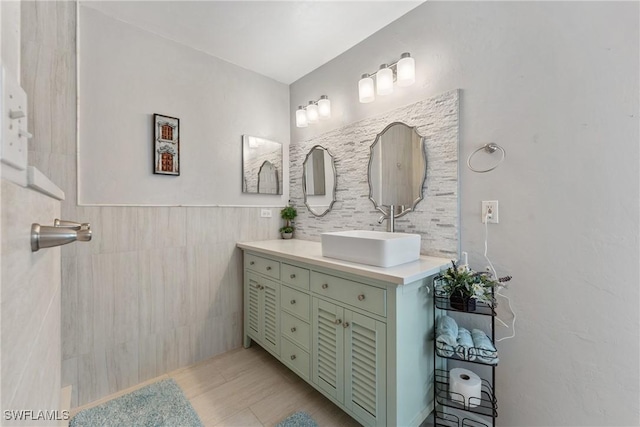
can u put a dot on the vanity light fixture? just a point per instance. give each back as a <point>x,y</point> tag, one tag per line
<point>403,72</point>
<point>314,111</point>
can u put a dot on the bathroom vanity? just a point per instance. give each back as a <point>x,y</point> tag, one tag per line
<point>361,335</point>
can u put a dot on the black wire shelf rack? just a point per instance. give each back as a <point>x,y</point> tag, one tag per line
<point>487,405</point>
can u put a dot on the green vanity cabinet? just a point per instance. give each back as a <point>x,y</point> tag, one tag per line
<point>349,359</point>
<point>362,336</point>
<point>262,311</point>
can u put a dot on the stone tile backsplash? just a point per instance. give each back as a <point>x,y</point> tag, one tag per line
<point>436,216</point>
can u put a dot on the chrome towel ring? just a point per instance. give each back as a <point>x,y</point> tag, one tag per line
<point>489,148</point>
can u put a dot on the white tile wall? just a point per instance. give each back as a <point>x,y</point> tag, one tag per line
<point>30,316</point>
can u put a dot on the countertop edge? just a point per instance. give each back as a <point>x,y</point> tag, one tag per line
<point>347,267</point>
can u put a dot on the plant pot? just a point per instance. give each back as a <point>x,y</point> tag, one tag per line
<point>462,303</point>
<point>286,235</point>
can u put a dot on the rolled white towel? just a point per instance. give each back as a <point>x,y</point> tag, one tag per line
<point>465,348</point>
<point>485,350</point>
<point>446,336</point>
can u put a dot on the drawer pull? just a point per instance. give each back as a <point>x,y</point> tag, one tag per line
<point>361,297</point>
<point>325,286</point>
<point>338,321</point>
<point>293,329</point>
<point>293,357</point>
<point>346,325</point>
<point>252,263</point>
<point>293,276</point>
<point>268,268</point>
<point>293,301</point>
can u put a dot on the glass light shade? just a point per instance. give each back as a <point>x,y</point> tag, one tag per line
<point>365,89</point>
<point>406,71</point>
<point>384,80</point>
<point>301,117</point>
<point>312,113</point>
<point>324,107</point>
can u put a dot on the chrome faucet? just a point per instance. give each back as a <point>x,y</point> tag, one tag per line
<point>61,233</point>
<point>391,217</point>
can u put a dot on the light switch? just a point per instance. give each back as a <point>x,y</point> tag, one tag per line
<point>13,120</point>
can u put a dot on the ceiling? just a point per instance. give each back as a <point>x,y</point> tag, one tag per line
<point>284,40</point>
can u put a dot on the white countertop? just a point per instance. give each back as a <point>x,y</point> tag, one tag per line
<point>311,253</point>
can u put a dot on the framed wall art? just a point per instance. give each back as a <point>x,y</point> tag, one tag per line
<point>166,145</point>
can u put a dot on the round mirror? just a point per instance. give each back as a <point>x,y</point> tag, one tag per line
<point>397,169</point>
<point>319,180</point>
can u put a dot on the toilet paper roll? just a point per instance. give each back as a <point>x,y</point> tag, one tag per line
<point>465,387</point>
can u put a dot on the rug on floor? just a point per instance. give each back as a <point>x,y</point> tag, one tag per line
<point>299,419</point>
<point>159,404</point>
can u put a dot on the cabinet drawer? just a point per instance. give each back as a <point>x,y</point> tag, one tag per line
<point>261,265</point>
<point>295,358</point>
<point>296,330</point>
<point>294,301</point>
<point>359,295</point>
<point>295,276</point>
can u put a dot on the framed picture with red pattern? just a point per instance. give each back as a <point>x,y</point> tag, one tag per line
<point>166,145</point>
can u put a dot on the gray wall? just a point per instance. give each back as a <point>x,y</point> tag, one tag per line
<point>556,84</point>
<point>125,75</point>
<point>30,282</point>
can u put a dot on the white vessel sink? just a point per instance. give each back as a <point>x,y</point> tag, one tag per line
<point>371,247</point>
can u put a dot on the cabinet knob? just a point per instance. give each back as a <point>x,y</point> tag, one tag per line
<point>361,297</point>
<point>252,263</point>
<point>293,329</point>
<point>261,287</point>
<point>293,276</point>
<point>293,301</point>
<point>268,268</point>
<point>293,357</point>
<point>325,286</point>
<point>338,321</point>
<point>346,325</point>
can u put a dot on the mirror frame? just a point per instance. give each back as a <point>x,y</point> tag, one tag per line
<point>335,180</point>
<point>423,150</point>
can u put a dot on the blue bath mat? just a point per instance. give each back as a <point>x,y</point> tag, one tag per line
<point>156,405</point>
<point>299,419</point>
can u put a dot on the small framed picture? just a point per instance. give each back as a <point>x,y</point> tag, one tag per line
<point>166,145</point>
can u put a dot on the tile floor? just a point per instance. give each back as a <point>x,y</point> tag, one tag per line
<point>248,387</point>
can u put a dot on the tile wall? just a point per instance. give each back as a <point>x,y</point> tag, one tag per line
<point>435,217</point>
<point>157,288</point>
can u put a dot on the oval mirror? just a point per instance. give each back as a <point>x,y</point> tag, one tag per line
<point>397,169</point>
<point>319,180</point>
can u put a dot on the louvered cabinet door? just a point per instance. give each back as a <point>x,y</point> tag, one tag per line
<point>270,315</point>
<point>365,368</point>
<point>328,348</point>
<point>253,308</point>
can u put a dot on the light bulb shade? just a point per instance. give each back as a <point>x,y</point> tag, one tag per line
<point>301,118</point>
<point>312,113</point>
<point>324,107</point>
<point>406,71</point>
<point>365,89</point>
<point>384,81</point>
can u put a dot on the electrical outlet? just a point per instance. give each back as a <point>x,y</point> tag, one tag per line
<point>490,211</point>
<point>265,213</point>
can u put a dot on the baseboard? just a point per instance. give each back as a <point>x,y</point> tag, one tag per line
<point>65,404</point>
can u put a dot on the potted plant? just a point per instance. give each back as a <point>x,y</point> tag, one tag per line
<point>288,213</point>
<point>465,287</point>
